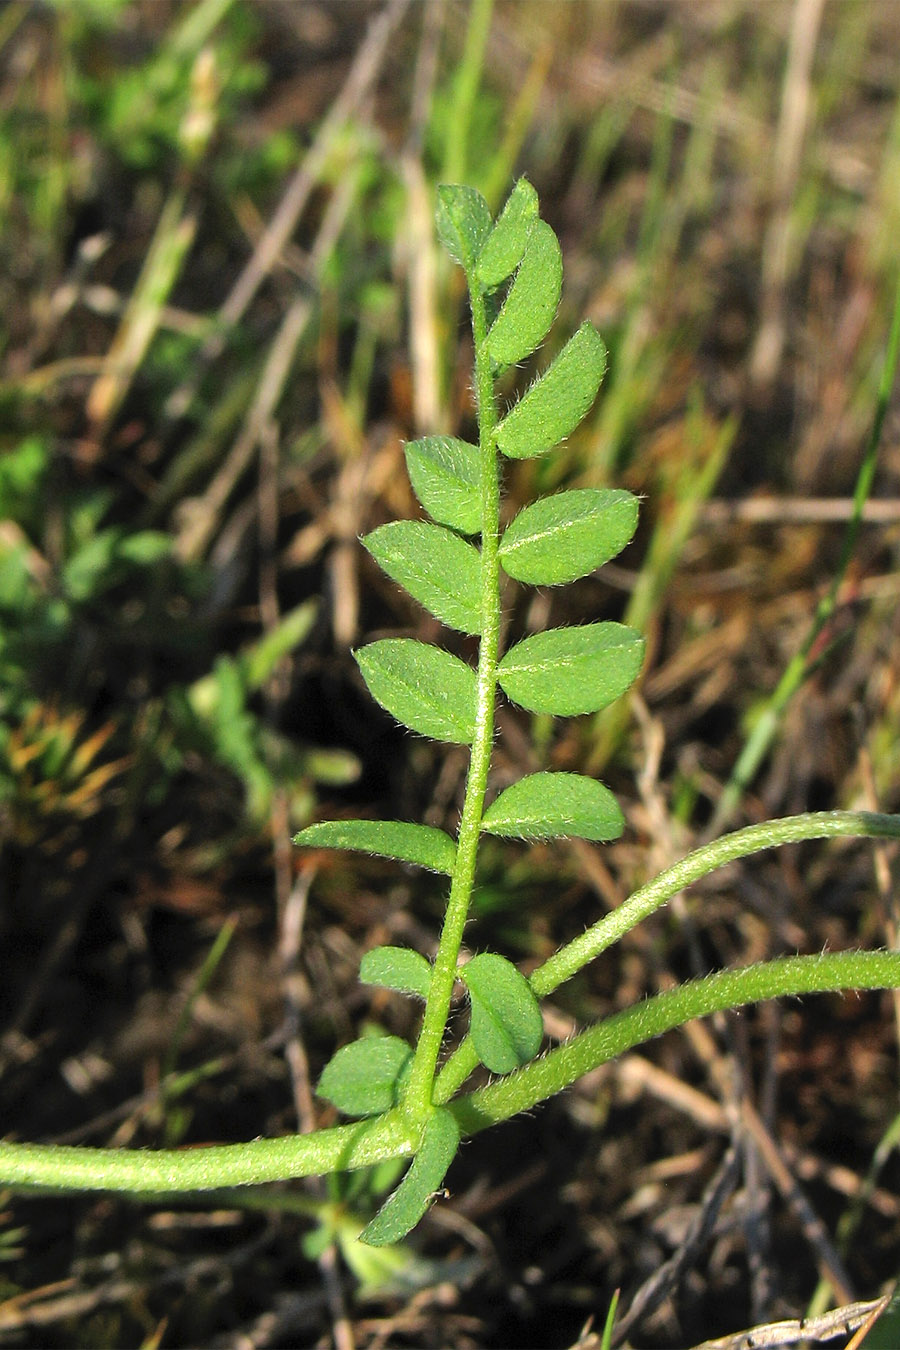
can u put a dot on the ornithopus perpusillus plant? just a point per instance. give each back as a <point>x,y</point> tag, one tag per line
<point>410,1101</point>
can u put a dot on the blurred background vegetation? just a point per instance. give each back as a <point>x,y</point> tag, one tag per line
<point>222,311</point>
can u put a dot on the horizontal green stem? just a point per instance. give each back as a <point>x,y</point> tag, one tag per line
<point>787,976</point>
<point>642,903</point>
<point>148,1175</point>
<point>164,1171</point>
<point>153,1174</point>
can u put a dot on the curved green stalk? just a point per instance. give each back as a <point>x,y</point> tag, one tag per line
<point>418,1099</point>
<point>642,903</point>
<point>150,1175</point>
<point>753,839</point>
<point>132,1171</point>
<point>788,976</point>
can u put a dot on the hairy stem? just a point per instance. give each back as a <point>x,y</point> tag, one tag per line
<point>770,834</point>
<point>642,903</point>
<point>418,1098</point>
<point>163,1171</point>
<point>831,972</point>
<point>152,1175</point>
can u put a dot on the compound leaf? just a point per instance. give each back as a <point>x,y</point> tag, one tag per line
<point>528,310</point>
<point>439,569</point>
<point>506,1019</point>
<point>405,1207</point>
<point>424,687</point>
<point>567,671</point>
<point>568,535</point>
<point>556,403</point>
<point>549,805</point>
<point>397,968</point>
<point>463,223</point>
<point>362,1078</point>
<point>504,246</point>
<point>420,844</point>
<point>446,478</point>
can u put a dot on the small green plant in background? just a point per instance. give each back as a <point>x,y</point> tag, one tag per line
<point>410,1101</point>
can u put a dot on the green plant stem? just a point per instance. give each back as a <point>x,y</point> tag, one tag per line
<point>800,665</point>
<point>163,1171</point>
<point>830,972</point>
<point>753,839</point>
<point>418,1099</point>
<point>151,1176</point>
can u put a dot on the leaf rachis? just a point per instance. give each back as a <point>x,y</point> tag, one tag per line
<point>563,671</point>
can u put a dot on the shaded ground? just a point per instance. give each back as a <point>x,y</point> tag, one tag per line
<point>202,413</point>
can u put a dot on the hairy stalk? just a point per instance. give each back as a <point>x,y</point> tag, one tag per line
<point>149,1176</point>
<point>786,976</point>
<point>661,889</point>
<point>770,834</point>
<point>418,1099</point>
<point>140,1172</point>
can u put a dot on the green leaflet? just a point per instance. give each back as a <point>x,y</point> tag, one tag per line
<point>568,671</point>
<point>568,535</point>
<point>424,687</point>
<point>446,478</point>
<point>556,403</point>
<point>506,1019</point>
<point>397,968</point>
<point>420,844</point>
<point>547,805</point>
<point>362,1079</point>
<point>439,569</point>
<point>504,246</point>
<point>529,308</point>
<point>445,474</point>
<point>463,222</point>
<point>404,1208</point>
